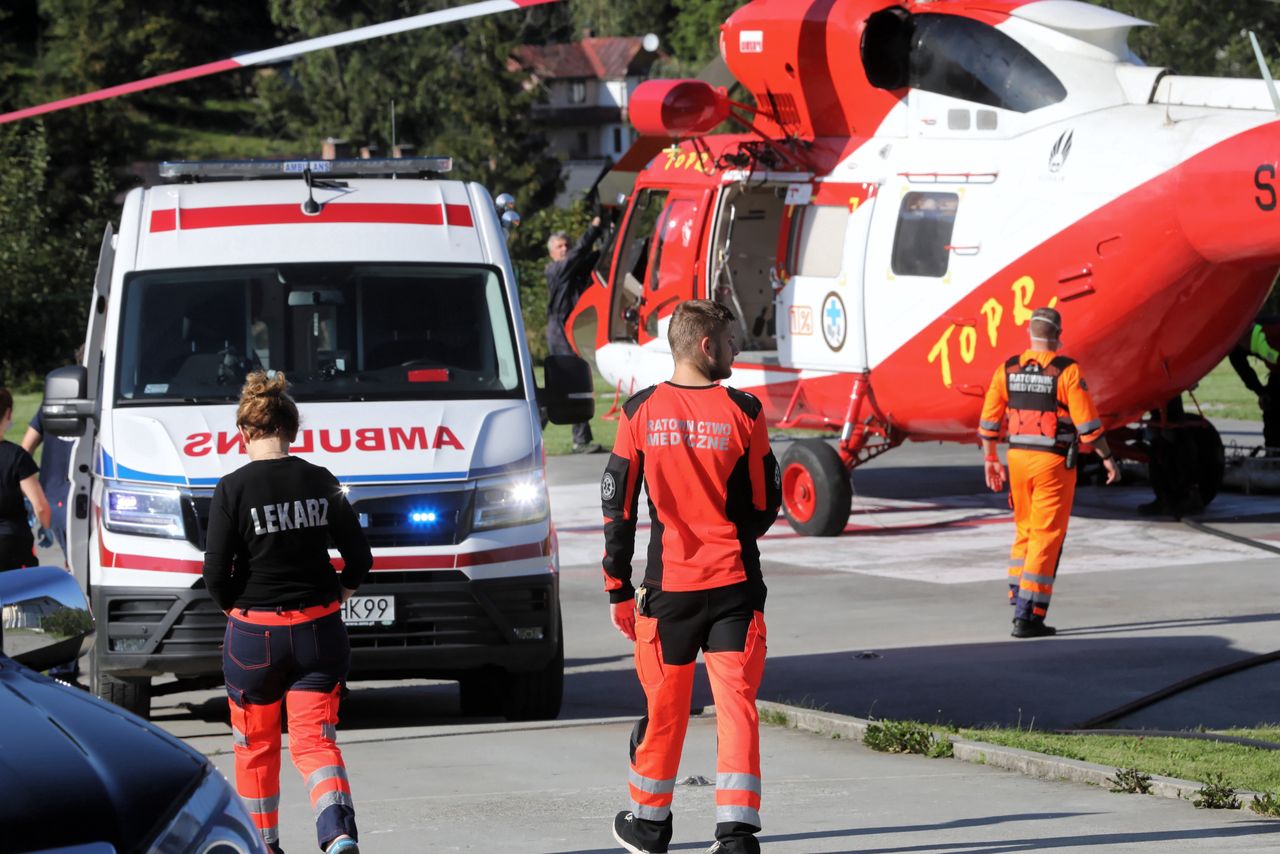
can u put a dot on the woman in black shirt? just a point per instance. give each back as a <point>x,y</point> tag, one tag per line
<point>267,566</point>
<point>19,476</point>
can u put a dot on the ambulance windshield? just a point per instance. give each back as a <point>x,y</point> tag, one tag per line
<point>339,331</point>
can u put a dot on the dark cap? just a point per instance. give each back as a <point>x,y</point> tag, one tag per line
<point>1049,316</point>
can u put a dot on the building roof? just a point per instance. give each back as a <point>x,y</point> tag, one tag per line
<point>599,58</point>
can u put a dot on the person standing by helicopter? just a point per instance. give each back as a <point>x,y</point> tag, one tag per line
<point>1045,401</point>
<point>568,275</point>
<point>1262,341</point>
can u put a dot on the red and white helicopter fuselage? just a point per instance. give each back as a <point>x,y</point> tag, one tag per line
<point>885,246</point>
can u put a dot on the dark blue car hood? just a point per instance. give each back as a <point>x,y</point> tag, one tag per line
<point>74,769</point>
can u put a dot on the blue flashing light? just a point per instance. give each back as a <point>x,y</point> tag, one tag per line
<point>422,517</point>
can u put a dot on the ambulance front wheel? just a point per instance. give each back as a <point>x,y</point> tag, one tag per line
<point>133,695</point>
<point>816,495</point>
<point>531,696</point>
<point>536,696</point>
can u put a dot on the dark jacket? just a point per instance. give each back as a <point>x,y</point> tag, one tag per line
<point>570,276</point>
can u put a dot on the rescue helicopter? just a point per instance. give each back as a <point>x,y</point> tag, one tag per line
<point>913,180</point>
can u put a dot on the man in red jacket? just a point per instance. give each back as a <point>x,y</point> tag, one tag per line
<point>701,451</point>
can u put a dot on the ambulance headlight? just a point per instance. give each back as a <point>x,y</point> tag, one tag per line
<point>515,501</point>
<point>212,821</point>
<point>150,512</point>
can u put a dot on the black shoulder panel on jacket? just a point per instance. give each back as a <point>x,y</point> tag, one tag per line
<point>749,403</point>
<point>637,400</point>
<point>1062,362</point>
<point>1013,362</point>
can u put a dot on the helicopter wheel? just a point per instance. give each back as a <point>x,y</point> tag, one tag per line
<point>1211,462</point>
<point>816,496</point>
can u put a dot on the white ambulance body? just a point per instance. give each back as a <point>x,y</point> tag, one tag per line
<point>392,307</point>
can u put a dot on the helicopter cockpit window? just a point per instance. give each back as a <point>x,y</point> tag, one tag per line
<point>963,58</point>
<point>633,263</point>
<point>922,243</point>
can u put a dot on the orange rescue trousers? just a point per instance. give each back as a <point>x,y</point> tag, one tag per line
<point>727,623</point>
<point>303,656</point>
<point>1042,489</point>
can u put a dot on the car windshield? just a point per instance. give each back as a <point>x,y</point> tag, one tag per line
<point>339,331</point>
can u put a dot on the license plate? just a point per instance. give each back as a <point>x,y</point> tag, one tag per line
<point>369,611</point>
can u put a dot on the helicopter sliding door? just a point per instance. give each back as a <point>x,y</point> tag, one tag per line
<point>820,314</point>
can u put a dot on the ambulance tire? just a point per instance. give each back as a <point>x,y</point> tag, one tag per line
<point>536,696</point>
<point>1211,459</point>
<point>816,494</point>
<point>480,694</point>
<point>133,695</point>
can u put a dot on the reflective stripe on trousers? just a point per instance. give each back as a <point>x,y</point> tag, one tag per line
<point>738,798</point>
<point>735,678</point>
<point>1043,490</point>
<point>313,719</point>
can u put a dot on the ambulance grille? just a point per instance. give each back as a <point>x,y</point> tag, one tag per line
<point>476,614</point>
<point>163,626</point>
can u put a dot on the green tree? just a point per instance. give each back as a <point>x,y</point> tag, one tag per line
<point>1203,37</point>
<point>612,18</point>
<point>695,29</point>
<point>453,90</point>
<point>46,260</point>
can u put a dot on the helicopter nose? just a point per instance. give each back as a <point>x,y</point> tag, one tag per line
<point>1229,198</point>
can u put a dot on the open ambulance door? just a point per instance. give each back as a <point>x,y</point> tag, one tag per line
<point>83,452</point>
<point>821,322</point>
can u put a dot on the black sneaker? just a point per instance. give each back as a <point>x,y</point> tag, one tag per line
<point>588,448</point>
<point>629,837</point>
<point>1032,629</point>
<point>736,845</point>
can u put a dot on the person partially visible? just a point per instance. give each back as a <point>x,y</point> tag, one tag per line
<point>568,276</point>
<point>701,452</point>
<point>54,474</point>
<point>1261,341</point>
<point>267,566</point>
<point>1045,401</point>
<point>19,478</point>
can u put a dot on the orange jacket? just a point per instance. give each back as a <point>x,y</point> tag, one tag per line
<point>703,457</point>
<point>1075,416</point>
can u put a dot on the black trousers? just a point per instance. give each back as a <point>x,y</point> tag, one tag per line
<point>558,345</point>
<point>17,550</point>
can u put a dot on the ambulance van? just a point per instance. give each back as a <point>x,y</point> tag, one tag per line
<point>386,295</point>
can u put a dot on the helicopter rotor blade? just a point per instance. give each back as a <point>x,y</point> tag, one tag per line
<point>280,54</point>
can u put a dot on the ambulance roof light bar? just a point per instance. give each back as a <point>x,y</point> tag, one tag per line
<point>206,170</point>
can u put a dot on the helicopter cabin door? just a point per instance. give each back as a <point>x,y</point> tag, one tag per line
<point>673,268</point>
<point>820,317</point>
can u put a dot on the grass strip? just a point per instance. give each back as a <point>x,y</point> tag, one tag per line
<point>1243,767</point>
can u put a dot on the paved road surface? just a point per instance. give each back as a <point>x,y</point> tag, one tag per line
<point>902,618</point>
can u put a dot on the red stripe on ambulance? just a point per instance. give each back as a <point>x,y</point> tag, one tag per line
<point>237,216</point>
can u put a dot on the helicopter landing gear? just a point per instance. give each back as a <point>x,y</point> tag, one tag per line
<point>816,495</point>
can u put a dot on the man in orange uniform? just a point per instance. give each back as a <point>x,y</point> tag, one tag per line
<point>1049,412</point>
<point>701,450</point>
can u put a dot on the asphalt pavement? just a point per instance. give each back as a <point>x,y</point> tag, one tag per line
<point>903,616</point>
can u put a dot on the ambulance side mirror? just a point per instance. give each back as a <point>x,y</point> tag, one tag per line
<point>67,407</point>
<point>568,393</point>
